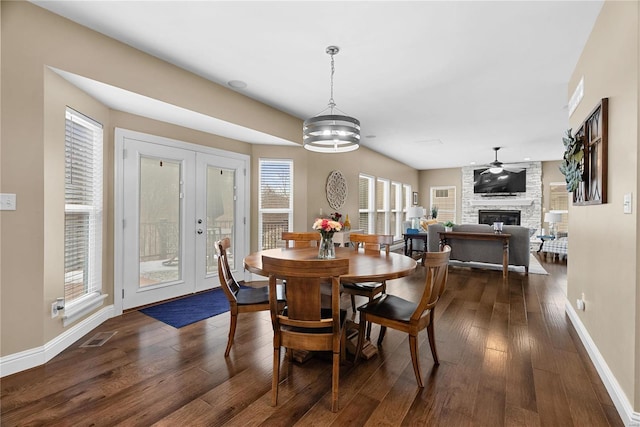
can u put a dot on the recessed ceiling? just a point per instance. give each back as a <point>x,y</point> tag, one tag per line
<point>472,75</point>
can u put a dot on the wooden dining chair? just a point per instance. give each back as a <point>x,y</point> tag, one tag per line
<point>371,243</point>
<point>246,299</point>
<point>305,324</point>
<point>301,239</point>
<point>407,316</point>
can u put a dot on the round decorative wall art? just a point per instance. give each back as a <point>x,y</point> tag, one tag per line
<point>336,189</point>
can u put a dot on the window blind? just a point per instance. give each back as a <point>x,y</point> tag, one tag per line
<point>83,206</point>
<point>275,204</point>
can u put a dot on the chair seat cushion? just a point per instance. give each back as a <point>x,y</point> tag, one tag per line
<point>362,285</point>
<point>390,307</point>
<point>249,296</point>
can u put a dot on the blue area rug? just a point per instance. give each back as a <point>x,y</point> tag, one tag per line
<point>191,309</point>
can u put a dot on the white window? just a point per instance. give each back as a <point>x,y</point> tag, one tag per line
<point>395,227</point>
<point>275,204</point>
<point>444,198</point>
<point>559,202</point>
<point>382,206</point>
<point>366,204</point>
<point>83,209</point>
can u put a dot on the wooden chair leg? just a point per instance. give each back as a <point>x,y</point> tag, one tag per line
<point>413,345</point>
<point>361,329</point>
<point>334,382</point>
<point>369,324</point>
<point>353,303</point>
<point>383,330</point>
<point>276,376</point>
<point>343,344</point>
<point>432,340</point>
<point>232,333</point>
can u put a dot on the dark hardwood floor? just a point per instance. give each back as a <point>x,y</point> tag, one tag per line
<point>509,357</point>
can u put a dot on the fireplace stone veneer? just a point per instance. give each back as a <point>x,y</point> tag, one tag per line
<point>528,203</point>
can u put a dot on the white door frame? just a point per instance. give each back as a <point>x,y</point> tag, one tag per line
<point>118,224</point>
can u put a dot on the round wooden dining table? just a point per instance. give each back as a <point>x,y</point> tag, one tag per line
<point>363,267</point>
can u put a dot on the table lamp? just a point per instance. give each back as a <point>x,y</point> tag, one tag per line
<point>552,218</point>
<point>414,213</point>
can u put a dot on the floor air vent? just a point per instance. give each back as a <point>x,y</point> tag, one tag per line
<point>98,339</point>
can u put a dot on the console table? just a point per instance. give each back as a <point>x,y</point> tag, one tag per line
<point>498,237</point>
<point>408,243</point>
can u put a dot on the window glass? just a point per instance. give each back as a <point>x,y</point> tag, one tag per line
<point>444,198</point>
<point>275,204</point>
<point>83,206</point>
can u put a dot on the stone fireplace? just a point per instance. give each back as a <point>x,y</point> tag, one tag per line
<point>486,216</point>
<point>528,204</point>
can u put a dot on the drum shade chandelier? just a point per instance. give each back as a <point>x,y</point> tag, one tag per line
<point>331,133</point>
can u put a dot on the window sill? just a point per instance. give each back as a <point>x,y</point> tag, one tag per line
<point>81,307</point>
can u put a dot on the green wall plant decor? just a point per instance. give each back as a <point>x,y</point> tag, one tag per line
<point>571,166</point>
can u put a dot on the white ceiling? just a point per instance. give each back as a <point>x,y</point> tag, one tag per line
<point>438,83</point>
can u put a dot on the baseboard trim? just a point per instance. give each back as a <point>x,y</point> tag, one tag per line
<point>620,399</point>
<point>31,358</point>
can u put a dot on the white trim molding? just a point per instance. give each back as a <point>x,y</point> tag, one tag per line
<point>31,358</point>
<point>620,399</point>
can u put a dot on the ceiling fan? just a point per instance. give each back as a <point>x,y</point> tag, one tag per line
<point>497,166</point>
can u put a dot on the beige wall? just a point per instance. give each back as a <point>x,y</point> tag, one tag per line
<point>32,112</point>
<point>311,171</point>
<point>32,136</point>
<point>351,165</point>
<point>437,178</point>
<point>603,260</point>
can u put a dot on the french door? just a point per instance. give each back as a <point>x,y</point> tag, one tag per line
<point>176,203</point>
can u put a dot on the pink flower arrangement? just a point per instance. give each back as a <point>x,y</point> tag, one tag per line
<point>327,227</point>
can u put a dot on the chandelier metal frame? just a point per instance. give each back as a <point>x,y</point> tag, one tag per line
<point>331,133</point>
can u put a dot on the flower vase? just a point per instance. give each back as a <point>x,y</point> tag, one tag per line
<point>326,249</point>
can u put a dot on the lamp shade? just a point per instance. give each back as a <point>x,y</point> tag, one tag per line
<point>415,212</point>
<point>552,217</point>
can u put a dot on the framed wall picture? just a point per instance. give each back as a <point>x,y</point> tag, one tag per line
<point>415,198</point>
<point>594,134</point>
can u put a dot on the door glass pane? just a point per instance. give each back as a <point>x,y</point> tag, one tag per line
<point>159,221</point>
<point>221,184</point>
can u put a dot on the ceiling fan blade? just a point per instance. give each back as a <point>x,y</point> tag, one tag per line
<point>513,168</point>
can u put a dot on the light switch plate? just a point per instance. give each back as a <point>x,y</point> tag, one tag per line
<point>627,203</point>
<point>7,202</point>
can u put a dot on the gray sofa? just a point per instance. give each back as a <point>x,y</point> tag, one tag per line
<point>481,250</point>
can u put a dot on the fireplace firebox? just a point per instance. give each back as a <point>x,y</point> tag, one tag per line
<point>504,216</point>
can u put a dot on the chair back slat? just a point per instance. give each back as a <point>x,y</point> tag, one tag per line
<point>372,242</point>
<point>300,239</point>
<point>227,281</point>
<point>437,270</point>
<point>304,279</point>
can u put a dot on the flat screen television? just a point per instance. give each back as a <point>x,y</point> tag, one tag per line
<point>506,182</point>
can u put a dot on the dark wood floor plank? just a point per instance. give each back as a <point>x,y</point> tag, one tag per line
<point>462,392</point>
<point>583,402</point>
<point>519,417</point>
<point>509,356</point>
<point>430,401</point>
<point>491,396</point>
<point>540,342</point>
<point>520,389</point>
<point>551,399</point>
<point>517,305</point>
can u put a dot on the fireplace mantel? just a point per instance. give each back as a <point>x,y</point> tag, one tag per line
<point>501,202</point>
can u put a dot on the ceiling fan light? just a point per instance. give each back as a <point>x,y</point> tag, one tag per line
<point>496,169</point>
